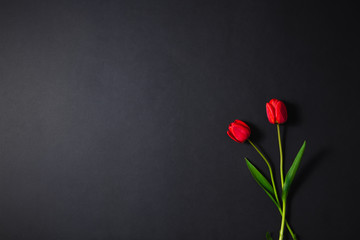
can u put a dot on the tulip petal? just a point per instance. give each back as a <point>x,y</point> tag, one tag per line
<point>270,112</point>
<point>280,112</point>
<point>239,122</point>
<point>273,102</point>
<point>241,133</point>
<point>232,136</point>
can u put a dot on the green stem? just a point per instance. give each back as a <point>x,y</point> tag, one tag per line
<point>287,225</point>
<point>283,220</point>
<point>273,184</point>
<point>270,170</point>
<point>281,157</point>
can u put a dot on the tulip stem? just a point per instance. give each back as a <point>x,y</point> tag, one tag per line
<point>281,157</point>
<point>288,226</point>
<point>273,185</point>
<point>270,170</point>
<point>281,237</point>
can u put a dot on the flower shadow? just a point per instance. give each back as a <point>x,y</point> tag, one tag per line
<point>309,168</point>
<point>256,134</point>
<point>312,163</point>
<point>293,113</point>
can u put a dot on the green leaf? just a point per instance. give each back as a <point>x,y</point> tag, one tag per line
<point>268,236</point>
<point>262,181</point>
<point>292,171</point>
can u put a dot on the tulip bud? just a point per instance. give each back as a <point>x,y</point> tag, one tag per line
<point>276,111</point>
<point>239,131</point>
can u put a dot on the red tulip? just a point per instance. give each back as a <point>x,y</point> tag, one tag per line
<point>276,111</point>
<point>239,131</point>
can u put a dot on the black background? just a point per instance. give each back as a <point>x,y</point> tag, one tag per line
<point>113,118</point>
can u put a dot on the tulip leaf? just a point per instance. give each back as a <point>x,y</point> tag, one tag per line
<point>268,236</point>
<point>262,181</point>
<point>292,171</point>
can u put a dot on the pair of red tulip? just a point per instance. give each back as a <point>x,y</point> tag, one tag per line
<point>240,132</point>
<point>276,113</point>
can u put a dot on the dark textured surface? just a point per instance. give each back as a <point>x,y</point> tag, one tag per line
<point>113,118</point>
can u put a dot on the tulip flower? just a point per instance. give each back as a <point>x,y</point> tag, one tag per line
<point>276,111</point>
<point>239,131</point>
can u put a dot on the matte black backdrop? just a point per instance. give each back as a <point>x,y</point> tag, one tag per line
<point>113,118</point>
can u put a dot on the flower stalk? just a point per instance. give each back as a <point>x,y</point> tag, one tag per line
<point>274,187</point>
<point>281,156</point>
<point>281,237</point>
<point>270,170</point>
